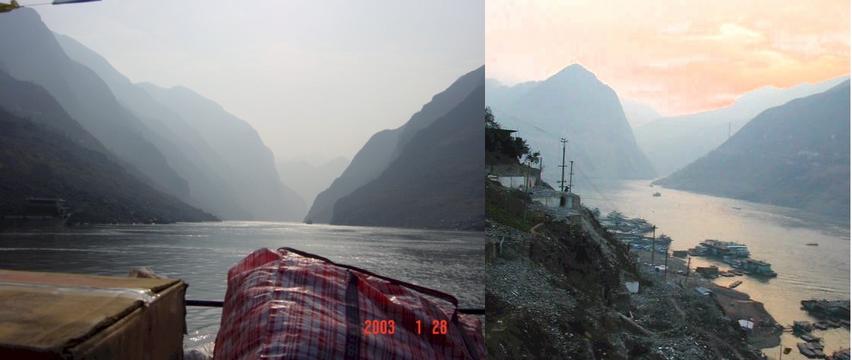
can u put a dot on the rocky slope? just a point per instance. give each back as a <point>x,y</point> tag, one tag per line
<point>556,291</point>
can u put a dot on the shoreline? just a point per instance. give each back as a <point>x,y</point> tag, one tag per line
<point>734,303</point>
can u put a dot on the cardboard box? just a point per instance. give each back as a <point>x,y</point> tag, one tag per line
<point>70,316</point>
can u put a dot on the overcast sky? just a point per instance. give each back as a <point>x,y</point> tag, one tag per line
<point>315,78</point>
<point>679,56</point>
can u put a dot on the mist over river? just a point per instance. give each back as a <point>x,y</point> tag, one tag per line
<point>201,253</point>
<point>774,234</point>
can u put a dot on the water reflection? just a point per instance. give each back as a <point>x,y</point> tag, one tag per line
<point>201,254</point>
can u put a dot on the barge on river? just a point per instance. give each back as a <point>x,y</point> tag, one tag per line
<point>720,249</point>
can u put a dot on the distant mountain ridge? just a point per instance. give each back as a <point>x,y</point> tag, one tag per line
<point>46,153</point>
<point>673,142</point>
<point>173,139</point>
<point>573,104</point>
<point>385,146</point>
<point>794,155</point>
<point>247,164</point>
<point>34,55</point>
<point>185,150</point>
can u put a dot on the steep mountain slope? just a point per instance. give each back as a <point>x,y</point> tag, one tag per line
<point>33,55</point>
<point>574,104</point>
<point>795,155</point>
<point>308,180</point>
<point>673,142</point>
<point>248,164</point>
<point>386,145</point>
<point>34,103</point>
<point>499,96</point>
<point>44,152</point>
<point>186,151</point>
<point>436,182</point>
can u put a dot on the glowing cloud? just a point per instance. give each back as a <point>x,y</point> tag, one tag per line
<point>677,56</point>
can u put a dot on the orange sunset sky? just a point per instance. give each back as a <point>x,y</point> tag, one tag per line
<point>677,56</point>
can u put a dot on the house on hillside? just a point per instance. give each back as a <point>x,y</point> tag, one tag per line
<point>516,176</point>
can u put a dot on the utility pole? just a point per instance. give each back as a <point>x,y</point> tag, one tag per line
<point>686,279</point>
<point>666,270</point>
<point>562,179</point>
<point>571,177</point>
<point>653,243</point>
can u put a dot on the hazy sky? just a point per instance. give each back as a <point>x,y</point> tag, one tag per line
<point>677,56</point>
<point>315,78</point>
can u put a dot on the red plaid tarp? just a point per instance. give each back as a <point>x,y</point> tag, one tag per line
<point>286,304</point>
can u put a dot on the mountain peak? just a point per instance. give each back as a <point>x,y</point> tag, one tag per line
<point>574,71</point>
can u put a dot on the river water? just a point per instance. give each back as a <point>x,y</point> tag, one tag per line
<point>201,254</point>
<point>774,234</point>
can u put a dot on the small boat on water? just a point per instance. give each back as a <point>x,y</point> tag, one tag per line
<point>812,244</point>
<point>802,327</point>
<point>811,350</point>
<point>839,355</point>
<point>755,268</point>
<point>734,284</point>
<point>810,338</point>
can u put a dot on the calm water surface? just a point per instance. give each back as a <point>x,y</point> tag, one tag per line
<point>201,254</point>
<point>774,234</point>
